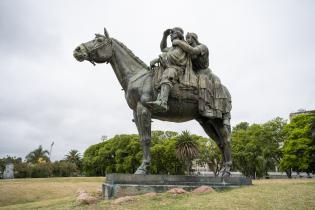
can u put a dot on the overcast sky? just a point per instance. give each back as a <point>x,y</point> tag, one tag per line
<point>263,51</point>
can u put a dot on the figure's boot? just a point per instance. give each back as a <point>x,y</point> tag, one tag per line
<point>160,105</point>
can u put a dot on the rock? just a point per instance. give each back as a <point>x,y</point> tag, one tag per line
<point>177,191</point>
<point>97,193</point>
<point>124,199</point>
<point>85,198</point>
<point>203,189</point>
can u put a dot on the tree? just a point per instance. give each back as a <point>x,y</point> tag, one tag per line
<point>247,155</point>
<point>74,156</point>
<point>123,154</point>
<point>164,160</point>
<point>210,155</point>
<point>299,146</point>
<point>64,168</point>
<point>38,155</point>
<point>186,149</point>
<point>120,154</point>
<point>257,148</point>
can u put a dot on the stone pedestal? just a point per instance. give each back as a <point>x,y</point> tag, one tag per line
<point>118,185</point>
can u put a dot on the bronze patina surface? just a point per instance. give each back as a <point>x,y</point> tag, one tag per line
<point>178,86</point>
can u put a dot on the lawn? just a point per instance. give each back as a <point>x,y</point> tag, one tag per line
<point>59,193</point>
<point>21,193</point>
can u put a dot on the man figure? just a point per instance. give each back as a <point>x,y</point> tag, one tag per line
<point>176,63</point>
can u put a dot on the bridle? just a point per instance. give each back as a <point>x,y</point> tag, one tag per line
<point>92,52</point>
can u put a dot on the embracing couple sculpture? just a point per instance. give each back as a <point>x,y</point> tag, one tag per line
<point>180,87</point>
<point>181,64</point>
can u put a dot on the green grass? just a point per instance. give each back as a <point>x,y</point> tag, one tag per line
<point>44,190</point>
<point>59,193</point>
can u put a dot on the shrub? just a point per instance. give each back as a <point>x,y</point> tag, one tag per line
<point>42,170</point>
<point>22,170</point>
<point>64,169</point>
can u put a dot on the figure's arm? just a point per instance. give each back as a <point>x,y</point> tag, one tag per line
<point>153,62</point>
<point>163,44</point>
<point>187,48</point>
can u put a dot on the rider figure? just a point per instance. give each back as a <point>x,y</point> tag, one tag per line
<point>175,61</point>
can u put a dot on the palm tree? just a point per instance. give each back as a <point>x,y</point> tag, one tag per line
<point>74,156</point>
<point>186,149</point>
<point>38,155</point>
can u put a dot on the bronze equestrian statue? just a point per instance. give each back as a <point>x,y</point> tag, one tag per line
<point>174,88</point>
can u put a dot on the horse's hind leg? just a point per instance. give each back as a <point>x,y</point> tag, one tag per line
<point>142,117</point>
<point>225,131</point>
<point>221,134</point>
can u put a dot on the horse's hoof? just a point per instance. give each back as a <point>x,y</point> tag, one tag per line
<point>140,172</point>
<point>224,174</point>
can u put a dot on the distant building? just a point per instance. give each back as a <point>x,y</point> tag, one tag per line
<point>9,171</point>
<point>301,111</point>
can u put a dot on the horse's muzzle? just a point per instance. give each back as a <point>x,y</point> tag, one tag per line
<point>79,54</point>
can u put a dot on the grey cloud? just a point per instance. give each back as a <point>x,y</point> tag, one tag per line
<point>262,51</point>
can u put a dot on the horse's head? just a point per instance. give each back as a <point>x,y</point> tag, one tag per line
<point>98,50</point>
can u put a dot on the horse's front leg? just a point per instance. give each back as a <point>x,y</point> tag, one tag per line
<point>142,117</point>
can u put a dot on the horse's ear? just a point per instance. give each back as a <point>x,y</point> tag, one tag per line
<point>106,33</point>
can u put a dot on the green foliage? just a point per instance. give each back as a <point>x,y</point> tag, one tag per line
<point>187,149</point>
<point>65,169</point>
<point>210,155</point>
<point>38,155</point>
<point>22,170</point>
<point>41,170</point>
<point>164,160</point>
<point>123,154</point>
<point>256,147</point>
<point>299,146</point>
<point>74,157</point>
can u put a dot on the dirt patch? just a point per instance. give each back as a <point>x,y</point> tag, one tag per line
<point>150,194</point>
<point>176,191</point>
<point>124,199</point>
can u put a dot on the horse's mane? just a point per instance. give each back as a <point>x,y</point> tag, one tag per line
<point>131,53</point>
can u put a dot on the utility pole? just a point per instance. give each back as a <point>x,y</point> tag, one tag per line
<point>52,144</point>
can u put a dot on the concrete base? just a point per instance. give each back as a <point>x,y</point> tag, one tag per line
<point>118,185</point>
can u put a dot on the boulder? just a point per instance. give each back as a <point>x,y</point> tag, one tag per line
<point>84,198</point>
<point>203,189</point>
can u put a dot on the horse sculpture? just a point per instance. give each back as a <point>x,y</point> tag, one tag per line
<point>137,82</point>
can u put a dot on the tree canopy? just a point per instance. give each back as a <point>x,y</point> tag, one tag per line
<point>187,149</point>
<point>38,155</point>
<point>299,146</point>
<point>257,148</point>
